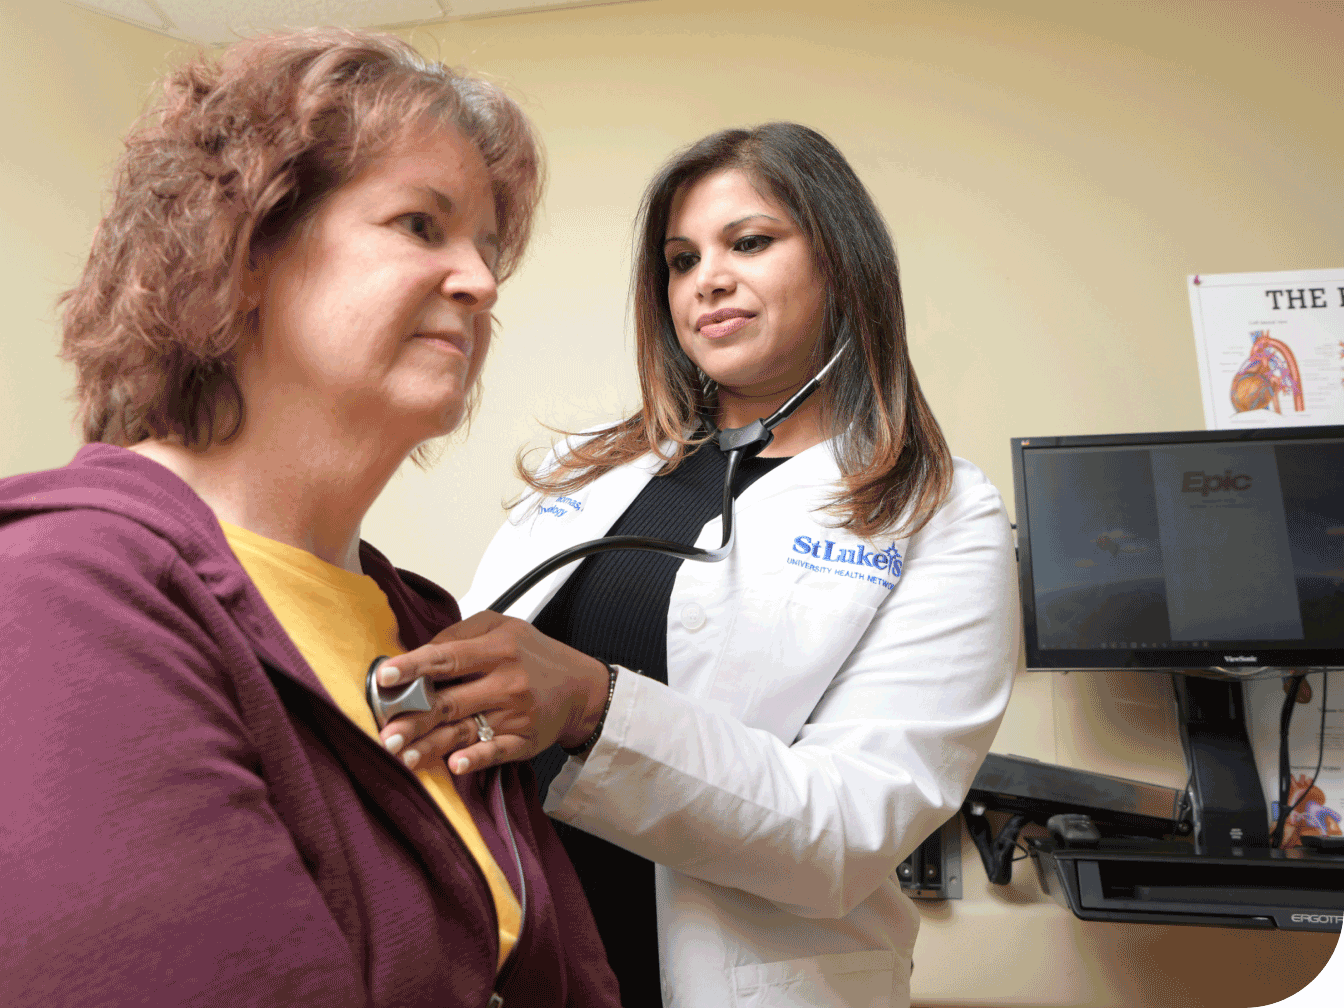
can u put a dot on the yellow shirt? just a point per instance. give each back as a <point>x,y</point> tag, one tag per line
<point>340,622</point>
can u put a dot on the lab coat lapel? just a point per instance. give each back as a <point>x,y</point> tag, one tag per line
<point>812,471</point>
<point>603,501</point>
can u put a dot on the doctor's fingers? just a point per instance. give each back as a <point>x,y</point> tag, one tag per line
<point>502,695</point>
<point>500,749</point>
<point>470,648</point>
<point>419,741</point>
<point>469,750</point>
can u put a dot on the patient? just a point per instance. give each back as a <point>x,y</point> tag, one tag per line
<point>289,296</point>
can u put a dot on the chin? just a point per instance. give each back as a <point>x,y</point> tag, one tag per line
<point>717,372</point>
<point>435,420</point>
<point>450,420</point>
<point>732,370</point>
<point>734,380</point>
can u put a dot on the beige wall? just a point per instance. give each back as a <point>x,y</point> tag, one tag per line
<point>71,83</point>
<point>1051,172</point>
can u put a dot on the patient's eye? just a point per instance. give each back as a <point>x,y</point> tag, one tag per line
<point>422,225</point>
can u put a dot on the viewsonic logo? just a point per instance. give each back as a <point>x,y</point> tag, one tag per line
<point>1244,659</point>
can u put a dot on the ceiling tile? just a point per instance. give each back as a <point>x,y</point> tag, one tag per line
<point>135,11</point>
<point>219,22</point>
<point>224,21</point>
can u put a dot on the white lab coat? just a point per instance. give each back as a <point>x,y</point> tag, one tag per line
<point>821,718</point>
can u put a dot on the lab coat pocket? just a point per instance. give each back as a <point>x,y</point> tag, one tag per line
<point>815,628</point>
<point>820,624</point>
<point>841,980</point>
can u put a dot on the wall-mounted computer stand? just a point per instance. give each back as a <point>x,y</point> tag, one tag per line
<point>1131,859</point>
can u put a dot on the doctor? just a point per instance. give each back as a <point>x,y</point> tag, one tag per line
<point>750,747</point>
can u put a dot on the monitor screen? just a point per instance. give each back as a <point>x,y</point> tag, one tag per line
<point>1204,549</point>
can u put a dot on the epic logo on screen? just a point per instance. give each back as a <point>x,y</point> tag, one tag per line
<point>1206,483</point>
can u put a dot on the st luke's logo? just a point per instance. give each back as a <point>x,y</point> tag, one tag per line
<point>888,559</point>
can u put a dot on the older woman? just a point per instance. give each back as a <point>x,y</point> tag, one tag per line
<point>290,294</point>
<point>781,728</point>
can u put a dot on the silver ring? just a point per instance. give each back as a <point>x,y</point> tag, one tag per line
<point>483,730</point>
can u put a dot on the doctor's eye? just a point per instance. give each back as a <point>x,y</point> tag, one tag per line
<point>751,244</point>
<point>682,261</point>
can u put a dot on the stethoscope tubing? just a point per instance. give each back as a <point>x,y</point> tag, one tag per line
<point>646,543</point>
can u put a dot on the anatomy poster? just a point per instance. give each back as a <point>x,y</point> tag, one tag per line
<point>1271,347</point>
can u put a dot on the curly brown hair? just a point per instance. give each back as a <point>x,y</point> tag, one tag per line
<point>233,157</point>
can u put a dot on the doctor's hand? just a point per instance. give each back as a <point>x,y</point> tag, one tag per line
<point>533,691</point>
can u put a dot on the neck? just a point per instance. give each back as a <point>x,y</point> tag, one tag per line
<point>792,437</point>
<point>289,479</point>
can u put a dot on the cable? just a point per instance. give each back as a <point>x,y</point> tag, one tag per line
<point>1320,758</point>
<point>1285,780</point>
<point>1320,741</point>
<point>995,851</point>
<point>1285,770</point>
<point>1181,798</point>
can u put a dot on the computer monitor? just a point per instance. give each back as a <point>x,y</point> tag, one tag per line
<point>1198,550</point>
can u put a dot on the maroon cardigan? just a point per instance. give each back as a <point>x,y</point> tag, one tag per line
<point>188,818</point>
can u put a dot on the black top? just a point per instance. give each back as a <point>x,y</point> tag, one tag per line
<point>614,607</point>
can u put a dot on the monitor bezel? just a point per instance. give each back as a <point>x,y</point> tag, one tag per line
<point>1267,654</point>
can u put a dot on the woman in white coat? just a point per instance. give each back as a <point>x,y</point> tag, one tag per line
<point>753,745</point>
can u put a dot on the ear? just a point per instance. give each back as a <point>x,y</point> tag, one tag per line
<point>250,283</point>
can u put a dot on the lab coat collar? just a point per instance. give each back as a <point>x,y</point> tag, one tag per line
<point>812,473</point>
<point>813,468</point>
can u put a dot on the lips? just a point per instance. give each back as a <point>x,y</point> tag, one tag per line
<point>717,324</point>
<point>456,340</point>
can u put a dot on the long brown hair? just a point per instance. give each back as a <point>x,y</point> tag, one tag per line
<point>234,156</point>
<point>891,453</point>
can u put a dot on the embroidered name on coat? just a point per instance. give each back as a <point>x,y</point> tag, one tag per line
<point>562,506</point>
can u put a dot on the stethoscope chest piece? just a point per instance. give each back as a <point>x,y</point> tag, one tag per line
<point>388,702</point>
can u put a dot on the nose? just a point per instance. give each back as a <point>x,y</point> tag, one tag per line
<point>469,280</point>
<point>713,276</point>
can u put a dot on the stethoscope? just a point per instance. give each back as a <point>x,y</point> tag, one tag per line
<point>739,443</point>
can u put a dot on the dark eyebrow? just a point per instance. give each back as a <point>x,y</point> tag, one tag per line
<point>729,226</point>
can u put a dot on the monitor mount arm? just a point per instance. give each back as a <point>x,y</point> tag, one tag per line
<point>1226,798</point>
